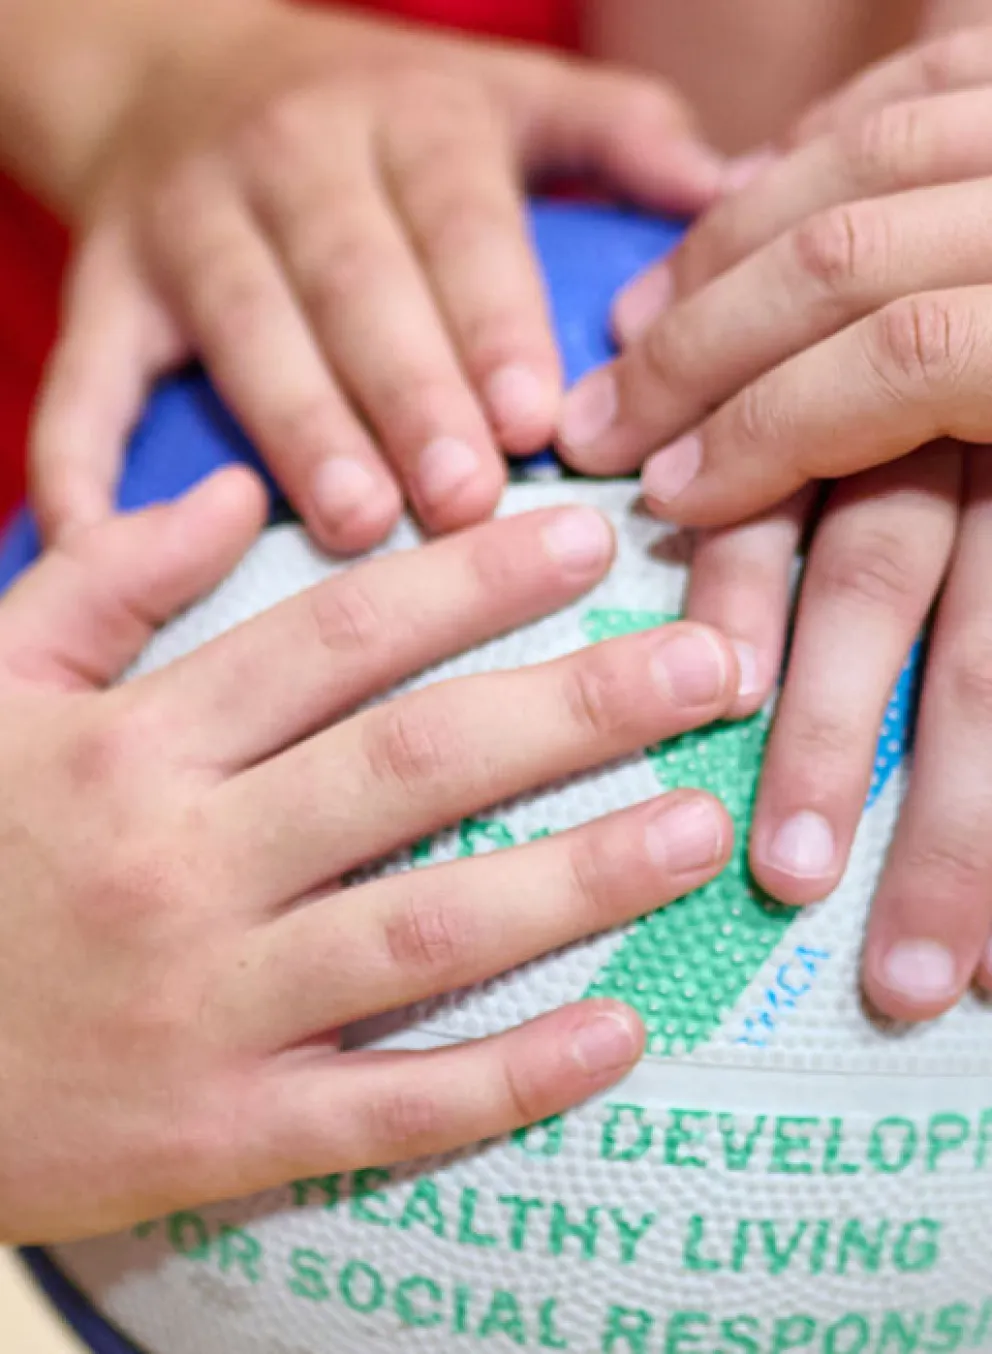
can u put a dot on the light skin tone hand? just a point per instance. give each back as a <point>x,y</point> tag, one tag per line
<point>827,320</point>
<point>329,212</point>
<point>175,955</point>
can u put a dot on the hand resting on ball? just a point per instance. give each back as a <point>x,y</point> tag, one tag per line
<point>175,954</point>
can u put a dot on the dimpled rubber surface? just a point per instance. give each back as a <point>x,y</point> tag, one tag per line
<point>789,1171</point>
<point>779,1174</point>
<point>684,968</point>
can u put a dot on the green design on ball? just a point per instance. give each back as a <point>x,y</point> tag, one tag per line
<point>685,967</point>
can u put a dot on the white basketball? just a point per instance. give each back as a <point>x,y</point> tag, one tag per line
<point>778,1175</point>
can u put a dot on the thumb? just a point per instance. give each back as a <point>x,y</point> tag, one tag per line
<point>632,134</point>
<point>91,604</point>
<point>116,338</point>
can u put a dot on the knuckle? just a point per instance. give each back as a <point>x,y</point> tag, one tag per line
<point>406,1120</point>
<point>818,740</point>
<point>127,894</point>
<point>751,421</point>
<point>496,571</point>
<point>104,754</point>
<point>524,1099</point>
<point>406,747</point>
<point>234,301</point>
<point>177,200</point>
<point>279,128</point>
<point>970,673</point>
<point>877,569</point>
<point>118,618</point>
<point>454,221</point>
<point>347,618</point>
<point>427,935</point>
<point>922,340</point>
<point>495,334</point>
<point>433,109</point>
<point>415,400</point>
<point>838,247</point>
<point>303,429</point>
<point>337,264</point>
<point>724,237</point>
<point>739,569</point>
<point>954,857</point>
<point>669,364</point>
<point>882,147</point>
<point>594,697</point>
<point>592,875</point>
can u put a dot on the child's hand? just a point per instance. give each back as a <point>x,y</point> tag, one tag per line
<point>329,212</point>
<point>174,954</point>
<point>833,316</point>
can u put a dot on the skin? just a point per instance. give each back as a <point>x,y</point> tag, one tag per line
<point>374,317</point>
<point>220,999</point>
<point>713,52</point>
<point>170,913</point>
<point>856,269</point>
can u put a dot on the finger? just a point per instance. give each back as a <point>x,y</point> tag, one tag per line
<point>641,302</point>
<point>312,1115</point>
<point>115,339</point>
<point>907,375</point>
<point>932,912</point>
<point>427,759</point>
<point>831,270</point>
<point>226,284</point>
<point>632,134</point>
<point>740,583</point>
<point>638,304</point>
<point>409,937</point>
<point>88,608</point>
<point>896,148</point>
<point>277,678</point>
<point>458,193</point>
<point>377,323</point>
<point>876,563</point>
<point>953,61</point>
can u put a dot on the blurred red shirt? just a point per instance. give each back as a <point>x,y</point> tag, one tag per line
<point>33,246</point>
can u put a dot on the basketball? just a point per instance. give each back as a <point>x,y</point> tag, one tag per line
<point>781,1173</point>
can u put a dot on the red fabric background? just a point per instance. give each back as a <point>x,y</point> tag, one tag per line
<point>33,246</point>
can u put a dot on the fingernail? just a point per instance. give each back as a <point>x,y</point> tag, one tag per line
<point>672,469</point>
<point>604,1044</point>
<point>738,173</point>
<point>579,539</point>
<point>516,395</point>
<point>747,662</point>
<point>923,970</point>
<point>639,305</point>
<point>589,409</point>
<point>341,487</point>
<point>445,465</point>
<point>689,666</point>
<point>803,846</point>
<point>687,836</point>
